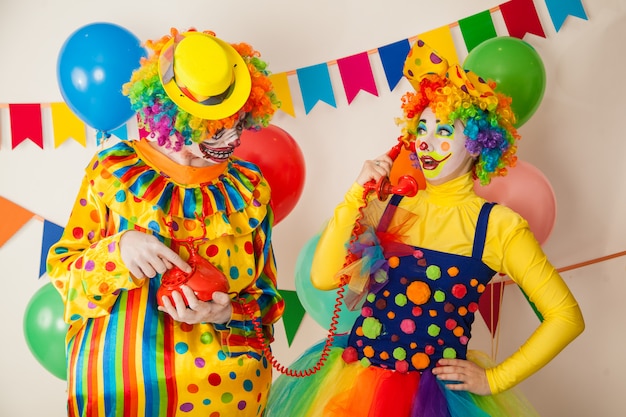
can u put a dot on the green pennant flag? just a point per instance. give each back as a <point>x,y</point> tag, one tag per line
<point>477,29</point>
<point>293,315</point>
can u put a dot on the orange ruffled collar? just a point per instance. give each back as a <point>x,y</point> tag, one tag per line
<point>232,198</point>
<point>181,174</point>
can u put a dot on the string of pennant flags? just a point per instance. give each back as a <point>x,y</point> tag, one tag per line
<point>314,82</point>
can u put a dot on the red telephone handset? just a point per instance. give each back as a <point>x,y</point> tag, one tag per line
<point>407,185</point>
<point>204,279</point>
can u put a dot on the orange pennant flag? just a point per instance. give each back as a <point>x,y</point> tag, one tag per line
<point>281,87</point>
<point>12,218</point>
<point>67,125</point>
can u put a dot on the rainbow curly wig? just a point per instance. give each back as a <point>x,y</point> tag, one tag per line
<point>160,116</point>
<point>488,122</point>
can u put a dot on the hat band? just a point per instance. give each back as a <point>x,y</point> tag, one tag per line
<point>211,100</point>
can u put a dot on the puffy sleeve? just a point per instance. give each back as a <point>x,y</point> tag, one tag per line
<point>85,265</point>
<point>525,262</point>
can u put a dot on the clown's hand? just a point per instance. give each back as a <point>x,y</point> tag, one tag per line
<point>462,375</point>
<point>194,311</point>
<point>145,256</point>
<point>372,170</point>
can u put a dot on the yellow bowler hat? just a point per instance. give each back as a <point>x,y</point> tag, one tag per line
<point>204,75</point>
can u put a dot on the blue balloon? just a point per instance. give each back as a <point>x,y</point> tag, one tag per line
<point>319,304</point>
<point>93,64</point>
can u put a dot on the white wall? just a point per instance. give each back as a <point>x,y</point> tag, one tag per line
<point>575,139</point>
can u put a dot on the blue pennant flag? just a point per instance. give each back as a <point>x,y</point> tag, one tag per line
<point>51,235</point>
<point>393,56</point>
<point>121,132</point>
<point>315,86</point>
<point>559,10</point>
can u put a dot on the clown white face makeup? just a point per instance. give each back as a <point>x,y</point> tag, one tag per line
<point>441,149</point>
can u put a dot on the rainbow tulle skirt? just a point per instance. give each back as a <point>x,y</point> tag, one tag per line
<point>352,390</point>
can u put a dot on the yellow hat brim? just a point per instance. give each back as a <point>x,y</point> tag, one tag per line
<point>231,105</point>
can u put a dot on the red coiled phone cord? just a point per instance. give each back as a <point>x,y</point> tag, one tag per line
<point>330,338</point>
<point>408,187</point>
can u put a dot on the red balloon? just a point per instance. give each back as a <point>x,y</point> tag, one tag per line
<point>528,192</point>
<point>281,161</point>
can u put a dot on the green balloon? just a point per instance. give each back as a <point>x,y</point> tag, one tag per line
<point>44,330</point>
<point>318,303</point>
<point>516,68</point>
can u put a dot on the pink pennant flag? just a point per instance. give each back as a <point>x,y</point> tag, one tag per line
<point>26,124</point>
<point>356,74</point>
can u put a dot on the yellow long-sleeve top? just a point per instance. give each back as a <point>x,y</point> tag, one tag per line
<point>446,221</point>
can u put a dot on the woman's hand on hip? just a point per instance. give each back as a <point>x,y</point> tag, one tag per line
<point>463,375</point>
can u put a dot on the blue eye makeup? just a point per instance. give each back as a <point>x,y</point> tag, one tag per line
<point>421,128</point>
<point>445,130</point>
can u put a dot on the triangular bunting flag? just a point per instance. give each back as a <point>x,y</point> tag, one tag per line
<point>315,86</point>
<point>477,29</point>
<point>392,57</point>
<point>51,235</point>
<point>65,125</point>
<point>559,10</point>
<point>520,18</point>
<point>441,41</point>
<point>281,87</point>
<point>356,75</point>
<point>489,305</point>
<point>121,132</point>
<point>26,124</point>
<point>293,315</point>
<point>12,218</point>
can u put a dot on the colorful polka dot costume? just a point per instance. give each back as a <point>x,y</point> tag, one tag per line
<point>126,358</point>
<point>419,266</point>
<point>425,311</point>
<point>439,250</point>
